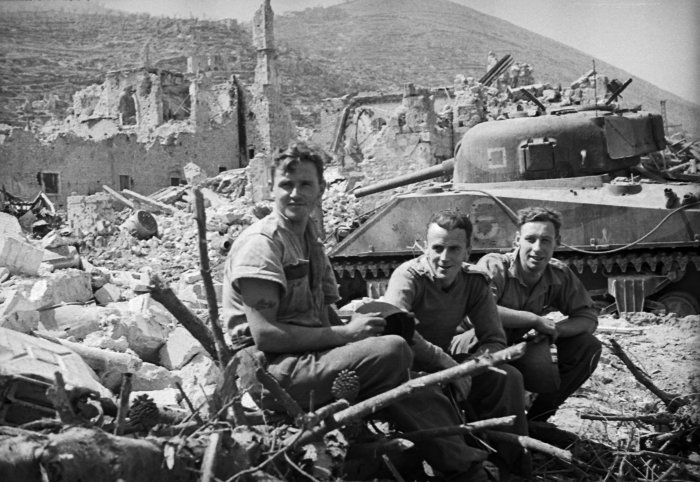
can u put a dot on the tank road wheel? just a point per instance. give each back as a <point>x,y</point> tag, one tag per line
<point>680,302</point>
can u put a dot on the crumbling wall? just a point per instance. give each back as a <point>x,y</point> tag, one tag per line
<point>83,165</point>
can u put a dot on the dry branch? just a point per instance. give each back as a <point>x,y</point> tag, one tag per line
<point>673,402</point>
<point>657,419</point>
<point>224,353</point>
<point>162,293</point>
<point>209,459</point>
<point>290,405</point>
<point>378,402</point>
<point>123,408</point>
<point>421,435</point>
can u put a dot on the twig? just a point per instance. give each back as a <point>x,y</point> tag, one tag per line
<point>667,473</point>
<point>123,408</point>
<point>421,435</point>
<point>672,401</point>
<point>288,403</point>
<point>651,453</point>
<point>262,464</point>
<point>660,418</point>
<point>208,467</point>
<point>224,352</point>
<point>325,412</point>
<point>299,469</point>
<point>61,401</point>
<point>531,444</point>
<point>392,468</point>
<point>378,402</point>
<point>195,412</point>
<point>370,450</point>
<point>164,295</point>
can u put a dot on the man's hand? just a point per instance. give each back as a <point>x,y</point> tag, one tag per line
<point>546,327</point>
<point>363,325</point>
<point>461,387</point>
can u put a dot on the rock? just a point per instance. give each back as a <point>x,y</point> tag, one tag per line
<point>191,277</point>
<point>144,334</point>
<point>9,225</point>
<point>151,377</point>
<point>16,300</point>
<point>72,320</point>
<point>179,349</point>
<point>19,256</point>
<point>200,373</point>
<point>21,321</point>
<point>194,174</point>
<point>64,286</point>
<point>109,293</point>
<point>4,273</point>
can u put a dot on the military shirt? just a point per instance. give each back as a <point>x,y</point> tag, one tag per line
<point>269,250</point>
<point>439,312</point>
<point>559,289</point>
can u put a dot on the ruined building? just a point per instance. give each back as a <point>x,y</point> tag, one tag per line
<point>141,126</point>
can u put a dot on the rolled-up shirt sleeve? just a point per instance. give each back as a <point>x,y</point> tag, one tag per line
<point>493,265</point>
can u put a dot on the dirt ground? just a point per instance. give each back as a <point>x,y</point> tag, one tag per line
<point>667,348</point>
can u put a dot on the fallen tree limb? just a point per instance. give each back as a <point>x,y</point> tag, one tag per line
<point>672,401</point>
<point>162,293</point>
<point>531,444</point>
<point>222,349</point>
<point>378,402</point>
<point>659,418</point>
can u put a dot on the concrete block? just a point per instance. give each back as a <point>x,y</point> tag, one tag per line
<point>109,293</point>
<point>22,321</point>
<point>153,377</point>
<point>19,256</point>
<point>72,320</point>
<point>9,225</point>
<point>143,332</point>
<point>179,349</point>
<point>63,286</point>
<point>16,300</point>
<point>194,174</point>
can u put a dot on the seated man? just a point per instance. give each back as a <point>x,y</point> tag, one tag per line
<point>442,290</point>
<point>279,280</point>
<point>528,283</point>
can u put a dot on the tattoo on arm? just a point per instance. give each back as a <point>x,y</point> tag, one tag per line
<point>264,304</point>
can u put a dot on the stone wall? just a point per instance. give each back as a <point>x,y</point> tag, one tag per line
<point>84,165</point>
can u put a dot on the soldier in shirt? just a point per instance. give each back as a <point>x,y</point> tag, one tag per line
<point>457,318</point>
<point>528,283</point>
<point>278,281</point>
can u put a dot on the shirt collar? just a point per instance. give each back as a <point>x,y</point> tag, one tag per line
<point>513,272</point>
<point>310,233</point>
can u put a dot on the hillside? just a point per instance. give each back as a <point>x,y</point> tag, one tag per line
<point>46,55</point>
<point>391,42</point>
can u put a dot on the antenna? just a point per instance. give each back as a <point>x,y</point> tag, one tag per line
<point>595,89</point>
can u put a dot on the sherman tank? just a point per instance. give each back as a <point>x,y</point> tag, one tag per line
<point>631,234</point>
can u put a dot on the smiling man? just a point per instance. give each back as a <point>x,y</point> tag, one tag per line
<point>527,284</point>
<point>279,283</point>
<point>457,318</point>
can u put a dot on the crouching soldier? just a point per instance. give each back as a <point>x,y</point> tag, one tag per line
<point>528,283</point>
<point>279,280</point>
<point>457,318</point>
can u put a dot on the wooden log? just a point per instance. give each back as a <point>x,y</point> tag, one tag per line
<point>123,408</point>
<point>119,197</point>
<point>672,401</point>
<point>98,359</point>
<point>208,469</point>
<point>166,297</point>
<point>145,199</point>
<point>222,349</point>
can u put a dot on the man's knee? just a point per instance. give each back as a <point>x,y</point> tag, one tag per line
<point>394,349</point>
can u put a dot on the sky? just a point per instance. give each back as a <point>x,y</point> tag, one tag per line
<point>656,40</point>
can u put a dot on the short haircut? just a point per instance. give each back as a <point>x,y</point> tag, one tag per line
<point>289,159</point>
<point>449,219</point>
<point>536,213</point>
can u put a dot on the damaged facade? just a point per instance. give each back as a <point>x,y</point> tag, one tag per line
<point>141,126</point>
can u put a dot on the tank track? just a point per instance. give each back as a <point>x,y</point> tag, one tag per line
<point>666,261</point>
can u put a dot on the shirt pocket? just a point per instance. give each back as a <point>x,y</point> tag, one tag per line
<point>297,298</point>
